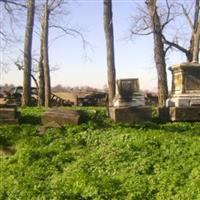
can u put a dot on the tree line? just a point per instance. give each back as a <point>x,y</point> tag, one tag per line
<point>153,18</point>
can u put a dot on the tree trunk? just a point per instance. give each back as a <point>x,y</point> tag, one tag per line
<point>108,29</point>
<point>26,99</point>
<point>196,45</point>
<point>159,53</point>
<point>47,87</point>
<point>41,97</point>
<point>196,34</point>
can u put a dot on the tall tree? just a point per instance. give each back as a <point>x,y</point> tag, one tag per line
<point>159,52</point>
<point>45,54</point>
<point>26,101</point>
<point>41,96</point>
<point>195,44</point>
<point>108,29</point>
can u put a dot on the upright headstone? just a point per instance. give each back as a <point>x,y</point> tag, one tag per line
<point>184,101</point>
<point>128,94</point>
<point>129,103</point>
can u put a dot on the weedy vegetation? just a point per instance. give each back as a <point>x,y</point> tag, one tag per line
<point>99,160</point>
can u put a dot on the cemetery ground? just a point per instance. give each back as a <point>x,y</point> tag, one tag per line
<point>99,159</point>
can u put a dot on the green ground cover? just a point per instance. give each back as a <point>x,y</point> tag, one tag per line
<point>100,160</point>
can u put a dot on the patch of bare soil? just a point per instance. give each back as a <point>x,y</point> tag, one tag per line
<point>2,101</point>
<point>6,151</point>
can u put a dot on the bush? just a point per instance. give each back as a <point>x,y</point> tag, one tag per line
<point>100,159</point>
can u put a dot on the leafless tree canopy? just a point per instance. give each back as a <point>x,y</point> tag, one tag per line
<point>173,13</point>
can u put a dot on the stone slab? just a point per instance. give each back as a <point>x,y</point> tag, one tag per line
<point>9,121</point>
<point>130,114</point>
<point>184,114</point>
<point>61,116</point>
<point>7,113</point>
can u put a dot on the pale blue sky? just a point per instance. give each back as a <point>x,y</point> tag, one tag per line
<point>133,58</point>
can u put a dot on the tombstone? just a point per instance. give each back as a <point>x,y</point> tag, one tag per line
<point>127,93</point>
<point>9,114</point>
<point>129,104</point>
<point>60,116</point>
<point>184,101</point>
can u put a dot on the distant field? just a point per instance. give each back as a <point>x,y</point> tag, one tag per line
<point>99,160</point>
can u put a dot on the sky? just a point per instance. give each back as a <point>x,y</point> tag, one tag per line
<point>78,67</point>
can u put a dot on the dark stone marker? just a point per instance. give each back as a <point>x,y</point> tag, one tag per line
<point>8,114</point>
<point>184,113</point>
<point>61,116</point>
<point>127,87</point>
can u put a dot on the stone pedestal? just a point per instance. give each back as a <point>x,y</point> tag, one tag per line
<point>129,104</point>
<point>130,114</point>
<point>9,114</point>
<point>184,113</point>
<point>185,94</point>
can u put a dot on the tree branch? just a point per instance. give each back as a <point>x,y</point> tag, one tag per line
<point>13,3</point>
<point>172,44</point>
<point>187,16</point>
<point>72,32</point>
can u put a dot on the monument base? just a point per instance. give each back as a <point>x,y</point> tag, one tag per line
<point>130,114</point>
<point>184,113</point>
<point>183,100</point>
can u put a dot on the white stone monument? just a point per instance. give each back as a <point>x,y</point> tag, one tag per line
<point>129,103</point>
<point>184,101</point>
<point>128,94</point>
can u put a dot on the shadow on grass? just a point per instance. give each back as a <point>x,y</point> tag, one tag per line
<point>30,119</point>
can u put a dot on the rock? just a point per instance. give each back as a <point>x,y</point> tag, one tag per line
<point>42,129</point>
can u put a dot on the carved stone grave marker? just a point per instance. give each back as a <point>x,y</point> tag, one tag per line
<point>129,104</point>
<point>184,101</point>
<point>127,93</point>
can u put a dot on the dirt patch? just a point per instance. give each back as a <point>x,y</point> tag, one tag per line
<point>6,151</point>
<point>2,101</point>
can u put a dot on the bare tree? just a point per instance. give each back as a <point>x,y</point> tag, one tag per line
<point>26,98</point>
<point>150,21</point>
<point>45,35</point>
<point>195,44</point>
<point>53,9</point>
<point>41,96</point>
<point>191,52</point>
<point>159,52</point>
<point>108,29</point>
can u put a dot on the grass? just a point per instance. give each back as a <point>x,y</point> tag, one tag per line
<point>100,159</point>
